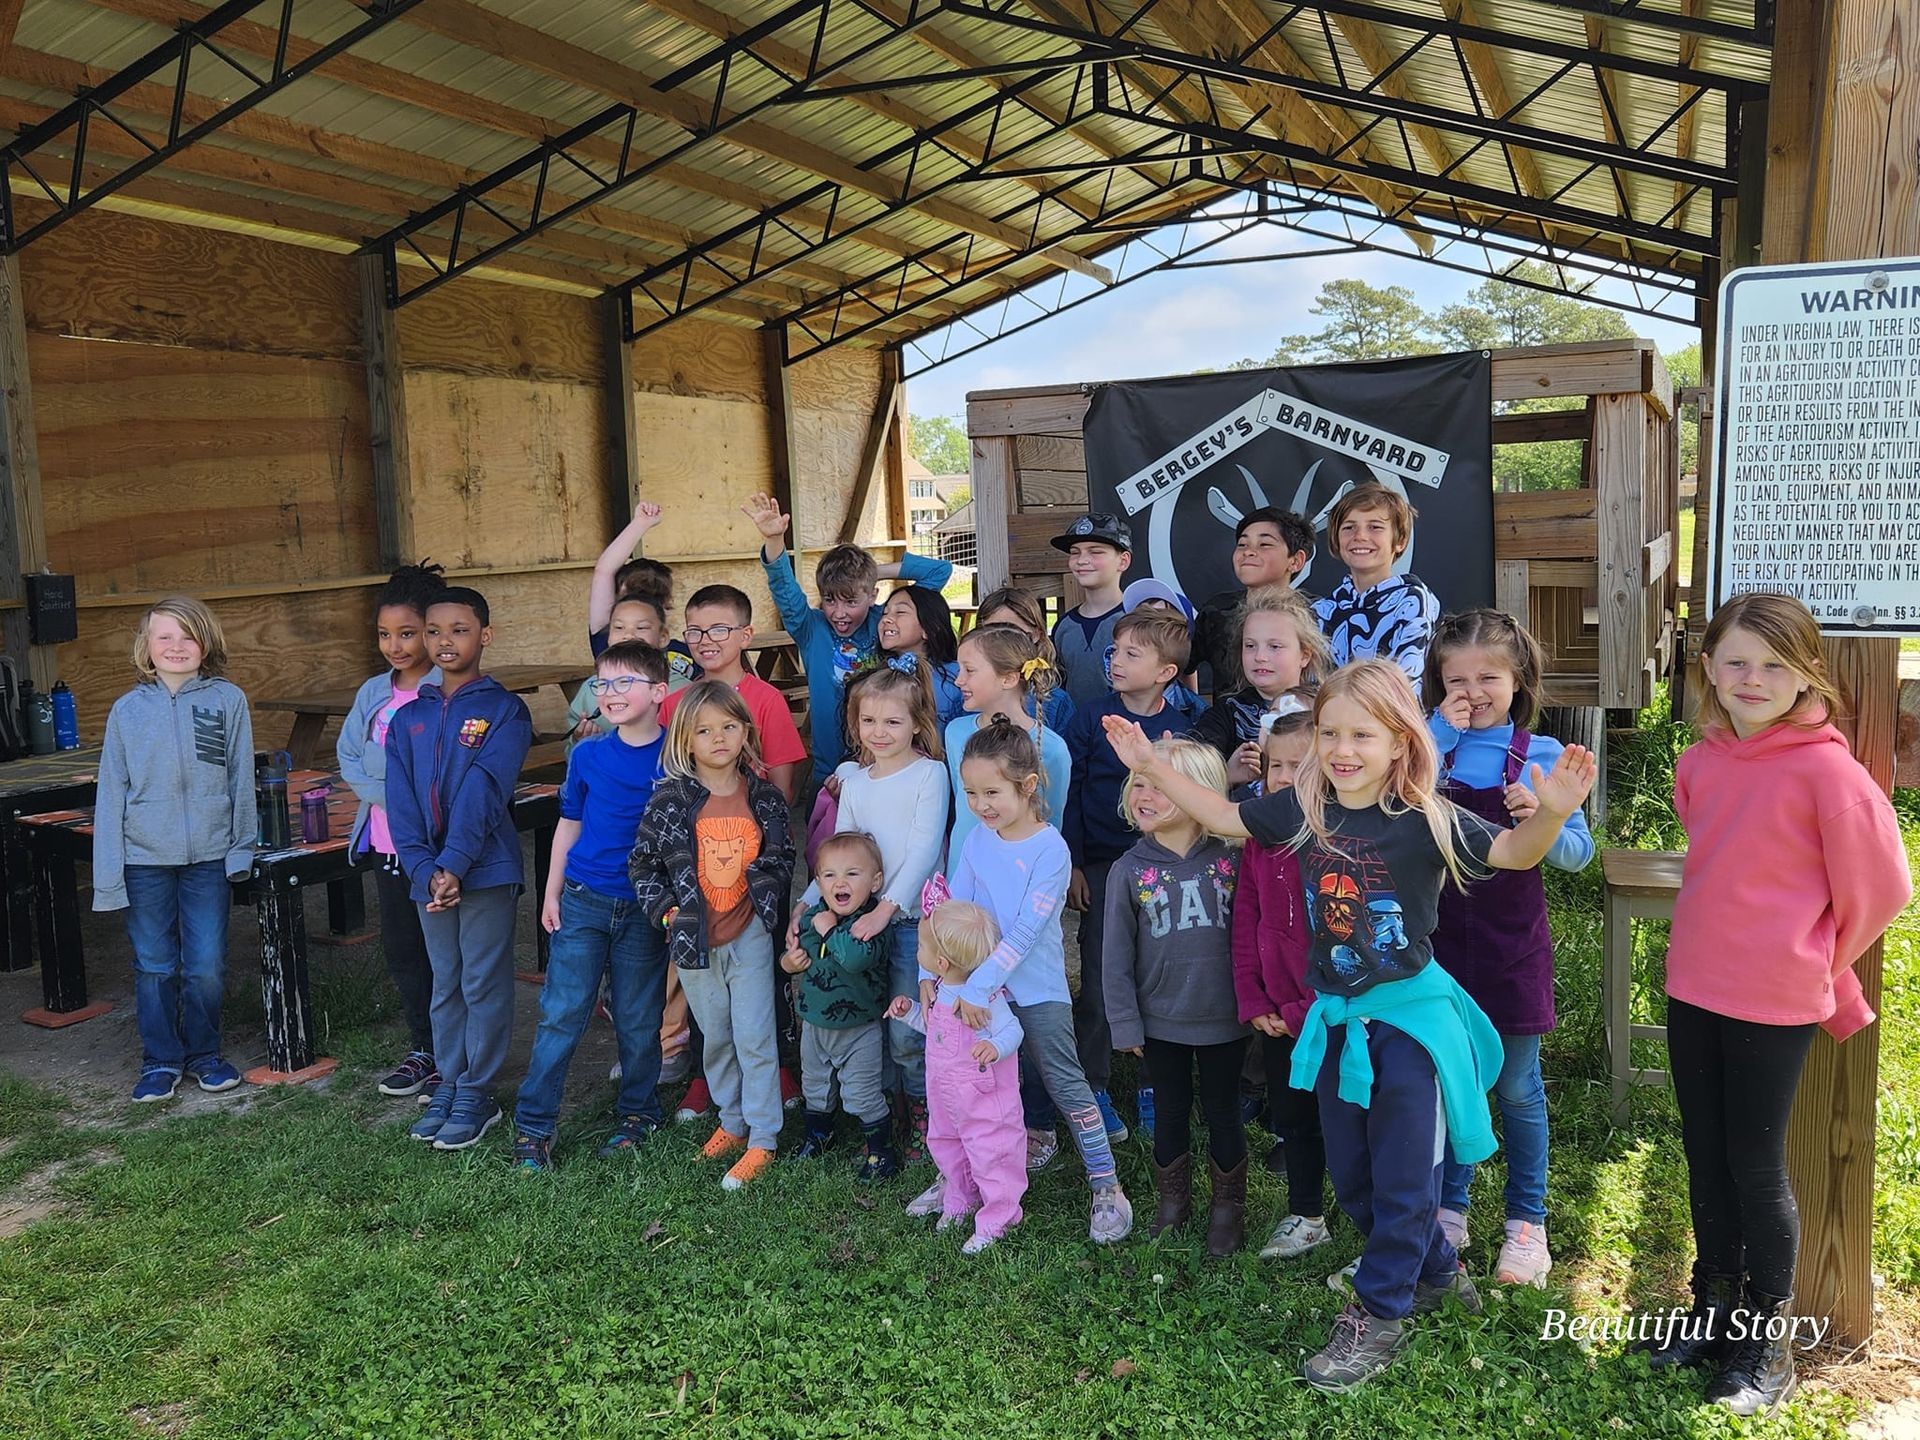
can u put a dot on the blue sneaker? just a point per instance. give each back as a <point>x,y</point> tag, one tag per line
<point>214,1075</point>
<point>532,1152</point>
<point>155,1085</point>
<point>468,1124</point>
<point>1110,1117</point>
<point>439,1108</point>
<point>1143,1110</point>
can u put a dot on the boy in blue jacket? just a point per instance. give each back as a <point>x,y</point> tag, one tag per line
<point>840,636</point>
<point>453,758</point>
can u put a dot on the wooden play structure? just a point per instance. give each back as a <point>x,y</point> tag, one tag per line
<point>1590,570</point>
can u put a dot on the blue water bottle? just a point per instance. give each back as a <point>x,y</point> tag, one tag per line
<point>66,720</point>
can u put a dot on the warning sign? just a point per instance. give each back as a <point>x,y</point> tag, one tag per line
<point>1819,442</point>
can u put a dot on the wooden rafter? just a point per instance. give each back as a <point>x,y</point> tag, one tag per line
<point>9,21</point>
<point>1484,65</point>
<point>1686,134</point>
<point>1371,46</point>
<point>1615,100</point>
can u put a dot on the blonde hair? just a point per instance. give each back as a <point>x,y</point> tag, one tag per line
<point>1381,688</point>
<point>1788,629</point>
<point>1009,650</point>
<point>961,933</point>
<point>1286,603</point>
<point>913,689</point>
<point>1374,496</point>
<point>1016,753</point>
<point>1199,763</point>
<point>202,627</point>
<point>852,840</point>
<point>676,756</point>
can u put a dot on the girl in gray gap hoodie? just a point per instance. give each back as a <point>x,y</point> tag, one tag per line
<point>1168,975</point>
<point>174,821</point>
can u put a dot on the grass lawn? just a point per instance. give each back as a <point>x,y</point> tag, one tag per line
<point>297,1268</point>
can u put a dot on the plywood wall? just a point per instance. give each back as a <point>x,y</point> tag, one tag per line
<point>201,406</point>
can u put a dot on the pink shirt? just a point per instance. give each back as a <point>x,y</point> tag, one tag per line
<point>378,836</point>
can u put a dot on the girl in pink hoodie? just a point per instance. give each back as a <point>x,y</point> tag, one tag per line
<point>1794,866</point>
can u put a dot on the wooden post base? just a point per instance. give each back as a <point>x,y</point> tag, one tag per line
<point>267,1075</point>
<point>60,1019</point>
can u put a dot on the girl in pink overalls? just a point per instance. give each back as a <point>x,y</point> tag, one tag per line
<point>975,1131</point>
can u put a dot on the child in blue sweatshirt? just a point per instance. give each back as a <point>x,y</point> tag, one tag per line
<point>453,758</point>
<point>838,638</point>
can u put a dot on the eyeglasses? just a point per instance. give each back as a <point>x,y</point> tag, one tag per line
<point>618,684</point>
<point>716,633</point>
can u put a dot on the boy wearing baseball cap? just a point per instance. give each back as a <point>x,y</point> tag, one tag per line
<point>1099,547</point>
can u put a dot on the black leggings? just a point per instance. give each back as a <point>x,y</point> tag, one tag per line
<point>406,952</point>
<point>1294,1116</point>
<point>1734,1080</point>
<point>1219,1065</point>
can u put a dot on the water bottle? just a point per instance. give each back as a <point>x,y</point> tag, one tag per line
<point>66,719</point>
<point>270,798</point>
<point>39,713</point>
<point>313,816</point>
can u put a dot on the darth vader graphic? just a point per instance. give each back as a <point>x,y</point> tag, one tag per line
<point>1359,929</point>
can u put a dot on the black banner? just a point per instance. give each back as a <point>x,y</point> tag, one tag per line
<point>1184,459</point>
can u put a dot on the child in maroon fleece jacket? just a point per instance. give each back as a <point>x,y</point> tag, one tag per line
<point>1270,942</point>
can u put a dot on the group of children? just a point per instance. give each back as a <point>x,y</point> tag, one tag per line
<point>1364,797</point>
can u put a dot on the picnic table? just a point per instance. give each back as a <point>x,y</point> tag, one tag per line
<point>56,841</point>
<point>27,786</point>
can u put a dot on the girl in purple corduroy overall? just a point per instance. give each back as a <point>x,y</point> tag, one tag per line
<point>975,1129</point>
<point>1482,685</point>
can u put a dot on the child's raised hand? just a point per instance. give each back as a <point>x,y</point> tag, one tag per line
<point>1456,709</point>
<point>794,961</point>
<point>764,511</point>
<point>1521,802</point>
<point>984,1052</point>
<point>646,515</point>
<point>1129,742</point>
<point>974,1017</point>
<point>1561,789</point>
<point>900,1007</point>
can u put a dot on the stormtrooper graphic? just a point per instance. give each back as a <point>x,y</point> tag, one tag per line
<point>1358,926</point>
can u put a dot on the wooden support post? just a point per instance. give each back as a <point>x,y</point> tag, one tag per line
<point>1843,182</point>
<point>386,417</point>
<point>623,430</point>
<point>1619,456</point>
<point>23,531</point>
<point>992,510</point>
<point>773,352</point>
<point>873,451</point>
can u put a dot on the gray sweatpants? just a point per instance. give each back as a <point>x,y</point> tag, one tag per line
<point>471,947</point>
<point>847,1062</point>
<point>732,998</point>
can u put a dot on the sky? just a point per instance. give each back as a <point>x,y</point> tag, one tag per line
<point>1177,322</point>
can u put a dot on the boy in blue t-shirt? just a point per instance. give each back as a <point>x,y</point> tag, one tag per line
<point>598,928</point>
<point>1099,548</point>
<point>838,638</point>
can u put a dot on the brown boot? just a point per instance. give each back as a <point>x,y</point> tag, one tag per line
<point>1227,1220</point>
<point>1173,1184</point>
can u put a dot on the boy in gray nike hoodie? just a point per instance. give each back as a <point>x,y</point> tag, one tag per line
<point>174,820</point>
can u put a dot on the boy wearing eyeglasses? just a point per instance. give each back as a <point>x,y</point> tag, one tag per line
<point>599,930</point>
<point>718,629</point>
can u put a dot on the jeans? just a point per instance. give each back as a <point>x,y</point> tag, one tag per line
<point>1523,1130</point>
<point>1219,1090</point>
<point>906,1046</point>
<point>732,998</point>
<point>177,921</point>
<point>472,950</point>
<point>1049,1055</point>
<point>406,950</point>
<point>598,936</point>
<point>1734,1081</point>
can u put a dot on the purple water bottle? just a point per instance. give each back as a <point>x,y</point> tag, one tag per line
<point>313,816</point>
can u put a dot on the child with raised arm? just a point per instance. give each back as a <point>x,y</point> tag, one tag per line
<point>973,1081</point>
<point>838,637</point>
<point>1374,613</point>
<point>1399,1055</point>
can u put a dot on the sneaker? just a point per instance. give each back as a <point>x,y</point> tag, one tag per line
<point>468,1125</point>
<point>1523,1255</point>
<point>1111,1218</point>
<point>1341,1280</point>
<point>1294,1236</point>
<point>722,1142</point>
<point>977,1242</point>
<point>675,1068</point>
<point>214,1076</point>
<point>1043,1148</point>
<point>748,1168</point>
<point>1143,1110</point>
<point>155,1085</point>
<point>791,1095</point>
<point>914,1151</point>
<point>930,1200</point>
<point>696,1102</point>
<point>1429,1298</point>
<point>1453,1225</point>
<point>633,1132</point>
<point>412,1075</point>
<point>1110,1117</point>
<point>532,1152</point>
<point>439,1107</point>
<point>1360,1347</point>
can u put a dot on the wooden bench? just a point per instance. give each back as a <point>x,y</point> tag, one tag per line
<point>1641,885</point>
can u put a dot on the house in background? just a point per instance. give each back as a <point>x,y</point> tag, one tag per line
<point>928,498</point>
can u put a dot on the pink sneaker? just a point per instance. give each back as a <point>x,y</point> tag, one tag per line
<point>1523,1257</point>
<point>1453,1225</point>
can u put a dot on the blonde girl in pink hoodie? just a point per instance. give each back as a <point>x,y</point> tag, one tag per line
<point>1794,865</point>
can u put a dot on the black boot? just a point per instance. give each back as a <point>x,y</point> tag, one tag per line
<point>1758,1371</point>
<point>881,1161</point>
<point>1700,1336</point>
<point>819,1136</point>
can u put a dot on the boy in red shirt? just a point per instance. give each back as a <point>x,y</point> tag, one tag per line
<point>719,626</point>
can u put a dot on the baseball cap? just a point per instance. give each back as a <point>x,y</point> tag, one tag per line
<point>1103,526</point>
<point>1141,591</point>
